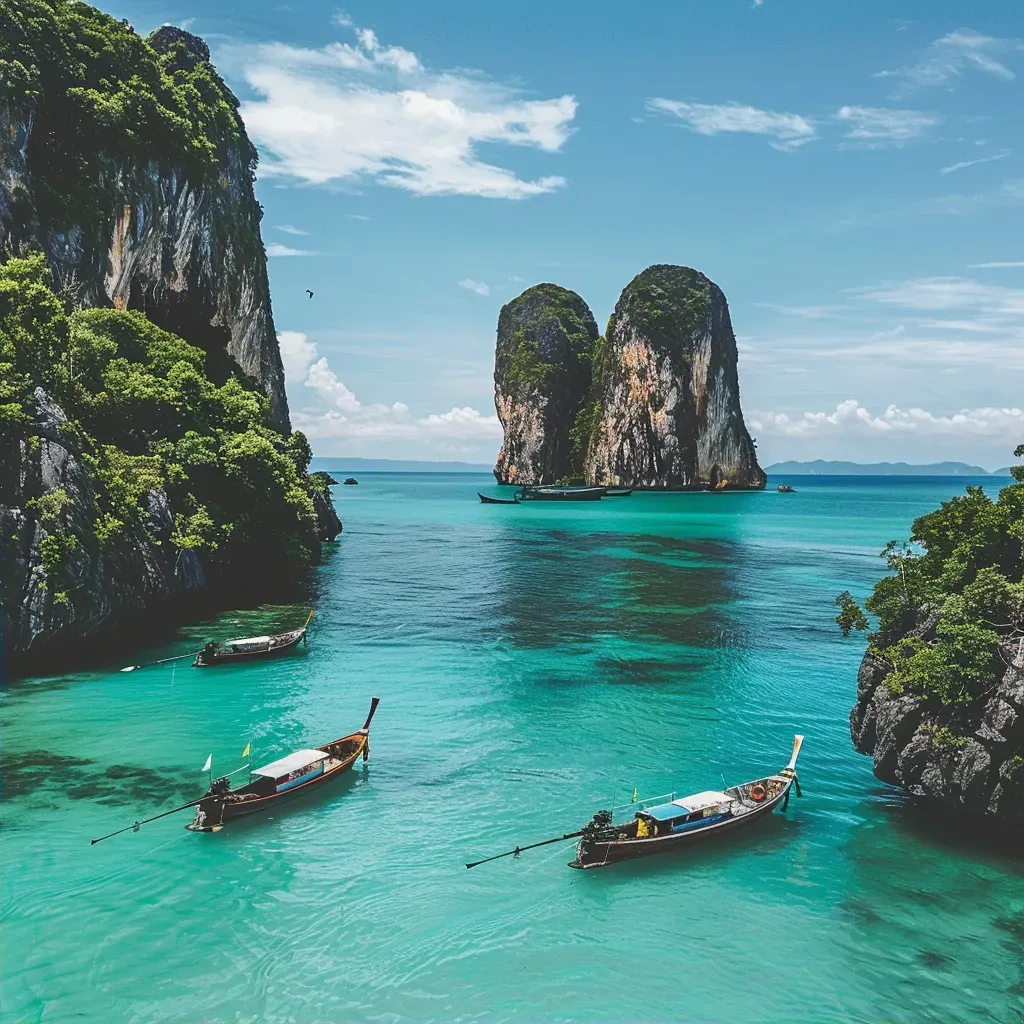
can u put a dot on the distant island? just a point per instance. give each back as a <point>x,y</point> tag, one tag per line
<point>823,467</point>
<point>342,465</point>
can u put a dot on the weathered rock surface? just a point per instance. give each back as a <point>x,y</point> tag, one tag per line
<point>542,375</point>
<point>328,525</point>
<point>974,763</point>
<point>668,404</point>
<point>190,258</point>
<point>100,582</point>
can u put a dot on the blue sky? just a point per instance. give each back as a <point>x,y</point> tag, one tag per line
<point>852,176</point>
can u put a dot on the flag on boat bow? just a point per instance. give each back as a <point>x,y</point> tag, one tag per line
<point>245,753</point>
<point>209,764</point>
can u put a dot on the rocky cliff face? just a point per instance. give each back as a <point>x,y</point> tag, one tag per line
<point>979,768</point>
<point>101,581</point>
<point>667,406</point>
<point>189,256</point>
<point>542,374</point>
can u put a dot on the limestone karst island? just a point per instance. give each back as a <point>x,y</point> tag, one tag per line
<point>670,663</point>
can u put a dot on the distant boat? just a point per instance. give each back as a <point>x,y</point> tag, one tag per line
<point>250,647</point>
<point>562,493</point>
<point>496,501</point>
<point>785,489</point>
<point>618,493</point>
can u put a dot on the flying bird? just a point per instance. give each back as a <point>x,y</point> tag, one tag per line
<point>309,293</point>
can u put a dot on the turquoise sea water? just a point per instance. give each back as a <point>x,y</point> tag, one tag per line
<point>534,663</point>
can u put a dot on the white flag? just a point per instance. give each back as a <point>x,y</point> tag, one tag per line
<point>209,763</point>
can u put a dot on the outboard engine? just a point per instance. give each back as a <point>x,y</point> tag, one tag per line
<point>220,786</point>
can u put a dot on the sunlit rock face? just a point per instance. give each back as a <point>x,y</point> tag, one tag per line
<point>667,406</point>
<point>188,256</point>
<point>542,376</point>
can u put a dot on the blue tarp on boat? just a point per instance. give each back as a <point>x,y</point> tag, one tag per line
<point>665,812</point>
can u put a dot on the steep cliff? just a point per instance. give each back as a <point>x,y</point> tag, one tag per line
<point>547,338</point>
<point>665,412</point>
<point>126,162</point>
<point>940,691</point>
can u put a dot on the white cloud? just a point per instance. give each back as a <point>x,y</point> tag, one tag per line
<point>475,286</point>
<point>288,229</point>
<point>971,163</point>
<point>788,131</point>
<point>297,354</point>
<point>949,57</point>
<point>851,418</point>
<point>277,249</point>
<point>357,216</point>
<point>362,110</point>
<point>1000,264</point>
<point>337,414</point>
<point>875,127</point>
<point>942,293</point>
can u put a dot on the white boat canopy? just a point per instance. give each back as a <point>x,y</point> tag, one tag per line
<point>697,802</point>
<point>262,641</point>
<point>291,763</point>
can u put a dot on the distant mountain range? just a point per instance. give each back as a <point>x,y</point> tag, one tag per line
<point>821,467</point>
<point>354,466</point>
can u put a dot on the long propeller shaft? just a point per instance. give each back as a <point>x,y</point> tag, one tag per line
<point>138,824</point>
<point>521,849</point>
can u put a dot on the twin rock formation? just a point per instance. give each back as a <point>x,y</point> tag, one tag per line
<point>653,403</point>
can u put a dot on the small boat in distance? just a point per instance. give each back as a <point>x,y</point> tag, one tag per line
<point>299,772</point>
<point>785,489</point>
<point>562,493</point>
<point>247,648</point>
<point>487,500</point>
<point>669,823</point>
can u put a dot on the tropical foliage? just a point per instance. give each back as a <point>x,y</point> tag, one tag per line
<point>954,596</point>
<point>144,417</point>
<point>106,103</point>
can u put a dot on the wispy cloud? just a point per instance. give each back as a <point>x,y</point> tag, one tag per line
<point>288,229</point>
<point>357,216</point>
<point>277,249</point>
<point>475,286</point>
<point>824,312</point>
<point>971,163</point>
<point>950,56</point>
<point>850,417</point>
<point>997,264</point>
<point>875,127</point>
<point>943,293</point>
<point>786,131</point>
<point>365,110</point>
<point>334,412</point>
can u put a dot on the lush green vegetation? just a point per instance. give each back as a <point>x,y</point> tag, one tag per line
<point>667,300</point>
<point>961,572</point>
<point>107,104</point>
<point>144,415</point>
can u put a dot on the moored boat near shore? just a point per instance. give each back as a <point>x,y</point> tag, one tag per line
<point>562,493</point>
<point>247,648</point>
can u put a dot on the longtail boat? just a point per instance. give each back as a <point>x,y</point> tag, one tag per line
<point>273,784</point>
<point>561,494</point>
<point>291,776</point>
<point>670,824</point>
<point>247,648</point>
<point>486,499</point>
<point>618,492</point>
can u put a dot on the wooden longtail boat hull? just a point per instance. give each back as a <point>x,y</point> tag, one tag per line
<point>487,500</point>
<point>216,810</point>
<point>564,494</point>
<point>249,648</point>
<point>601,854</point>
<point>611,493</point>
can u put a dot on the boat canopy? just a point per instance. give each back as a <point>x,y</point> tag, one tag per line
<point>246,640</point>
<point>697,802</point>
<point>686,805</point>
<point>291,763</point>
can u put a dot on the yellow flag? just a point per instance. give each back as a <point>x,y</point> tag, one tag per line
<point>636,796</point>
<point>245,753</point>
